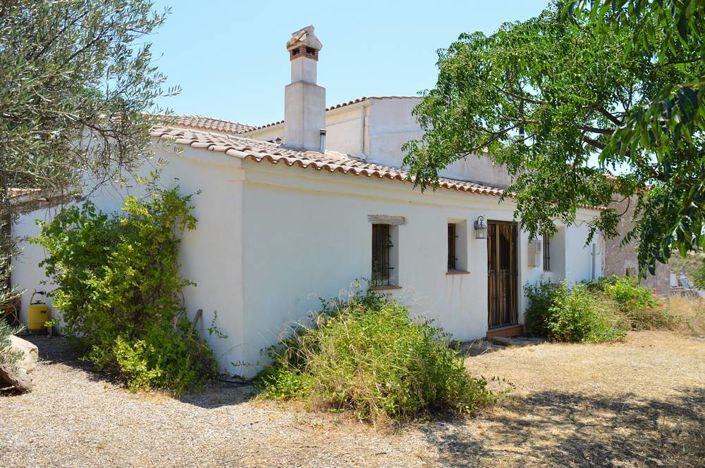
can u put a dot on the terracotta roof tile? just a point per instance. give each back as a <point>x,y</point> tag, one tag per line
<point>206,123</point>
<point>255,150</point>
<point>25,200</point>
<point>236,128</point>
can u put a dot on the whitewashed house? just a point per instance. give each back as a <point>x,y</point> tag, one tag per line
<point>300,209</point>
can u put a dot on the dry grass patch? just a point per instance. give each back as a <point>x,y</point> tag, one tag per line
<point>631,403</point>
<point>652,364</point>
<point>640,402</point>
<point>689,313</point>
<point>691,263</point>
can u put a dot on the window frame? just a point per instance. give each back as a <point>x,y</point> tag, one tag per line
<point>383,273</point>
<point>546,253</point>
<point>452,246</point>
<point>457,246</point>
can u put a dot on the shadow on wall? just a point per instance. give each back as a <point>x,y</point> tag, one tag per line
<point>553,428</point>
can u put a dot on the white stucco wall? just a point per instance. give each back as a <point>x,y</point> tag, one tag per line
<point>269,133</point>
<point>572,258</point>
<point>375,129</point>
<point>307,235</point>
<point>390,125</point>
<point>581,258</point>
<point>478,169</point>
<point>26,274</point>
<point>344,130</point>
<point>272,239</point>
<point>211,256</point>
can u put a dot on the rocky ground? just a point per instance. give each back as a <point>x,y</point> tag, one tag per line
<point>635,403</point>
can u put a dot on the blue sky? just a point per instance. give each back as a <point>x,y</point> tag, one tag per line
<point>229,57</point>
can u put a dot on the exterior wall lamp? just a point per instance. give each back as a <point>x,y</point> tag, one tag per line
<point>480,228</point>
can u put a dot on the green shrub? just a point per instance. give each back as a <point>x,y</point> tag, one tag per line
<point>636,304</point>
<point>597,311</point>
<point>559,313</point>
<point>120,292</point>
<point>541,296</point>
<point>628,294</point>
<point>366,355</point>
<point>576,316</point>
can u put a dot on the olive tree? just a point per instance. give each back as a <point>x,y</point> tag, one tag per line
<point>77,83</point>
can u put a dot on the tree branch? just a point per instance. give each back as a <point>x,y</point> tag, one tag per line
<point>602,131</point>
<point>520,97</point>
<point>56,36</point>
<point>592,142</point>
<point>611,117</point>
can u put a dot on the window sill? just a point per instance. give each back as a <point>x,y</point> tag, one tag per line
<point>385,288</point>
<point>457,272</point>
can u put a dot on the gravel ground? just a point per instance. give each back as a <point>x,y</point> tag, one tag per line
<point>641,402</point>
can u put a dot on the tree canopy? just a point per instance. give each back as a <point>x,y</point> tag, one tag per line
<point>586,104</point>
<point>76,78</point>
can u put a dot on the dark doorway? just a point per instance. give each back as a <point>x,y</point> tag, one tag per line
<point>502,273</point>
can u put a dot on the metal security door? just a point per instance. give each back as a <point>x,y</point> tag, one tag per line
<point>502,273</point>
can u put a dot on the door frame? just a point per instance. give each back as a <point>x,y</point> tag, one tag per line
<point>502,306</point>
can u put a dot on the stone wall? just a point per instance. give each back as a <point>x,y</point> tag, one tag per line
<point>622,260</point>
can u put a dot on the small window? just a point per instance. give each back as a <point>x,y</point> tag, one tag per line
<point>452,238</point>
<point>546,253</point>
<point>384,258</point>
<point>457,247</point>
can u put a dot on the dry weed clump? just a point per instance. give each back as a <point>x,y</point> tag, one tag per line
<point>689,314</point>
<point>367,356</point>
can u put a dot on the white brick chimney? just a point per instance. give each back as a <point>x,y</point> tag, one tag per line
<point>305,101</point>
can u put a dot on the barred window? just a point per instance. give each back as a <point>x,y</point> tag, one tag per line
<point>546,253</point>
<point>452,239</point>
<point>381,255</point>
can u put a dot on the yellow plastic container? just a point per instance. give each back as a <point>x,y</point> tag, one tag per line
<point>37,316</point>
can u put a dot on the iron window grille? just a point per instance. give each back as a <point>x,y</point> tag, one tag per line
<point>452,258</point>
<point>546,253</point>
<point>381,249</point>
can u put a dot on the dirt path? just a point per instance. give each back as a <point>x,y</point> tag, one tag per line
<point>641,402</point>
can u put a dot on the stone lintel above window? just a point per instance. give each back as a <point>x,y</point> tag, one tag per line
<point>386,219</point>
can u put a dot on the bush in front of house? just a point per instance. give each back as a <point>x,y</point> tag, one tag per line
<point>560,313</point>
<point>541,297</point>
<point>636,304</point>
<point>576,315</point>
<point>600,310</point>
<point>366,355</point>
<point>120,292</point>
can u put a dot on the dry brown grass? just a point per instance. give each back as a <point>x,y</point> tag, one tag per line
<point>689,313</point>
<point>639,402</point>
<point>691,263</point>
<point>634,403</point>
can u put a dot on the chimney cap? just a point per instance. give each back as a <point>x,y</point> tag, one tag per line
<point>304,37</point>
